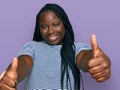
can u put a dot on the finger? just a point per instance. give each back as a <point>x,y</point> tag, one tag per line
<point>94,45</point>
<point>12,70</point>
<point>101,79</point>
<point>95,62</point>
<point>95,70</point>
<point>14,64</point>
<point>11,82</point>
<point>1,76</point>
<point>5,87</point>
<point>13,67</point>
<point>9,77</point>
<point>100,74</point>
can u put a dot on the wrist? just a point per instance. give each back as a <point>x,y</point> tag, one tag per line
<point>83,59</point>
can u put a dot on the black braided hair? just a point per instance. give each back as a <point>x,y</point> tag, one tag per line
<point>68,47</point>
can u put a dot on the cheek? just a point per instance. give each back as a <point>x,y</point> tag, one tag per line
<point>63,32</point>
<point>43,33</point>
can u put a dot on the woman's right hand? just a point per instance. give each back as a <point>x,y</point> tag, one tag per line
<point>8,79</point>
<point>16,72</point>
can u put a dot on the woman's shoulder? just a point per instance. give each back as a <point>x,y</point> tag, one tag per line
<point>78,44</point>
<point>33,43</point>
<point>82,46</point>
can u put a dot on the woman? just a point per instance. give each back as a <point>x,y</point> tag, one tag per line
<point>52,60</point>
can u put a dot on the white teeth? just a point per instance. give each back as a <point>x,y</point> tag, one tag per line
<point>52,38</point>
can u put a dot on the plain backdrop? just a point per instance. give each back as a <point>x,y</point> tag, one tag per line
<point>102,17</point>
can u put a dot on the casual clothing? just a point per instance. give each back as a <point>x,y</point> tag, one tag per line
<point>46,70</point>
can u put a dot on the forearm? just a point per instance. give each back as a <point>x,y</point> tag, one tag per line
<point>24,66</point>
<point>83,58</point>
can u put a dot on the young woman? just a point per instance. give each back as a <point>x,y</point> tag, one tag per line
<point>52,60</point>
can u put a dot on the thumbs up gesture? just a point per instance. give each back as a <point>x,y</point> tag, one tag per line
<point>94,61</point>
<point>8,79</point>
<point>99,64</point>
<point>16,72</point>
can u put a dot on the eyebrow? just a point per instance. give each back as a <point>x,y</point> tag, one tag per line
<point>44,23</point>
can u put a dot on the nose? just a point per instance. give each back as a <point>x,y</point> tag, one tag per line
<point>51,29</point>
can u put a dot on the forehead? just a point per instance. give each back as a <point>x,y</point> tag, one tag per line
<point>48,14</point>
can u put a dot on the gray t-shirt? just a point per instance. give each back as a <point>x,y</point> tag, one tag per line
<point>46,70</point>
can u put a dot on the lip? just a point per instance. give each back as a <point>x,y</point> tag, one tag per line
<point>52,37</point>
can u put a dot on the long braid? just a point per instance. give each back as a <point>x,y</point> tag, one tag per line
<point>68,47</point>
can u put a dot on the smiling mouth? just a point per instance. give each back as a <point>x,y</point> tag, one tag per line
<point>52,38</point>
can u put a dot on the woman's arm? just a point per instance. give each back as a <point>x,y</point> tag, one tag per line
<point>16,72</point>
<point>83,59</point>
<point>95,61</point>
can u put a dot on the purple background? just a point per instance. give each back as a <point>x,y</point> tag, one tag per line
<point>102,17</point>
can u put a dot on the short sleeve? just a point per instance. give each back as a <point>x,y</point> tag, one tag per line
<point>27,49</point>
<point>81,46</point>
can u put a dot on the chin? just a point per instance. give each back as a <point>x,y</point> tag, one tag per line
<point>55,43</point>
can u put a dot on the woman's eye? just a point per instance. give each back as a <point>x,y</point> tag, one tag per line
<point>44,28</point>
<point>56,24</point>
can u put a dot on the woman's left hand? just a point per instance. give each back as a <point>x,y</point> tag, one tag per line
<point>99,65</point>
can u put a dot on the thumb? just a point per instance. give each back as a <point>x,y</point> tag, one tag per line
<point>14,64</point>
<point>9,77</point>
<point>94,45</point>
<point>12,70</point>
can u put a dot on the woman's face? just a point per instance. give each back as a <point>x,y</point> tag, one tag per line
<point>51,28</point>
